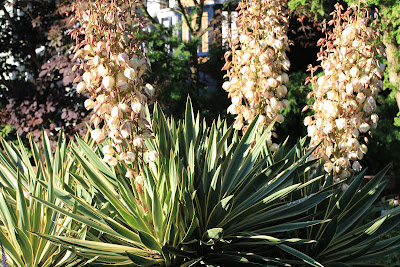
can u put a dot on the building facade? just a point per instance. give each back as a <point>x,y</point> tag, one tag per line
<point>165,11</point>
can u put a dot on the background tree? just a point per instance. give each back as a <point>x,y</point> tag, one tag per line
<point>35,68</point>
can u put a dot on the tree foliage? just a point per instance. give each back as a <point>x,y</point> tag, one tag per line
<point>35,68</point>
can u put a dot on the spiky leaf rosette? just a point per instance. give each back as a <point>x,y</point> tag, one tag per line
<point>22,219</point>
<point>209,198</point>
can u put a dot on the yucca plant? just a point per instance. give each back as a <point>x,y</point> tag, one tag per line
<point>349,239</point>
<point>210,197</point>
<point>244,196</point>
<point>22,218</point>
<point>131,221</point>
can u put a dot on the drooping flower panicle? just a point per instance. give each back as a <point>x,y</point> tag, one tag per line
<point>113,63</point>
<point>346,94</point>
<point>257,65</point>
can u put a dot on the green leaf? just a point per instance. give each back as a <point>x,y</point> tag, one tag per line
<point>327,235</point>
<point>142,261</point>
<point>192,262</point>
<point>47,152</point>
<point>157,214</point>
<point>286,227</point>
<point>25,246</point>
<point>229,181</point>
<point>219,212</point>
<point>14,252</point>
<point>95,246</point>
<point>214,233</point>
<point>23,219</point>
<point>95,224</point>
<point>149,241</point>
<point>300,255</point>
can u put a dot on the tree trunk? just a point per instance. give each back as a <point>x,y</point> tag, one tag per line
<point>392,53</point>
<point>194,69</point>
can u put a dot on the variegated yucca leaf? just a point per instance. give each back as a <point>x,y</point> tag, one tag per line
<point>22,219</point>
<point>351,238</point>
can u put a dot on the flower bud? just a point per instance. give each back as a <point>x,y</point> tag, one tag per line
<point>115,112</point>
<point>152,156</point>
<point>340,123</point>
<point>98,135</point>
<point>129,157</point>
<point>244,39</point>
<point>274,147</point>
<point>96,61</point>
<point>328,128</point>
<point>136,107</point>
<point>307,121</point>
<point>112,162</point>
<point>122,85</point>
<point>108,82</point>
<point>89,104</point>
<point>364,127</point>
<point>281,91</point>
<point>285,103</point>
<point>356,166</point>
<point>139,180</point>
<point>123,57</point>
<point>138,141</point>
<point>344,187</point>
<point>149,89</point>
<point>272,82</point>
<point>102,70</point>
<point>354,72</point>
<point>130,73</point>
<point>238,125</point>
<point>312,130</point>
<point>108,150</point>
<point>129,174</point>
<point>374,118</point>
<point>328,167</point>
<point>80,87</point>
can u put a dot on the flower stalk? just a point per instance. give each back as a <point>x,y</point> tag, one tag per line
<point>113,63</point>
<point>257,65</point>
<point>346,94</point>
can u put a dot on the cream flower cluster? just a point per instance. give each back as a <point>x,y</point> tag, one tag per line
<point>113,64</point>
<point>345,95</point>
<point>258,63</point>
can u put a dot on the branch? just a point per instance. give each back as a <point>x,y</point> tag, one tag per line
<point>185,16</point>
<point>152,20</point>
<point>199,11</point>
